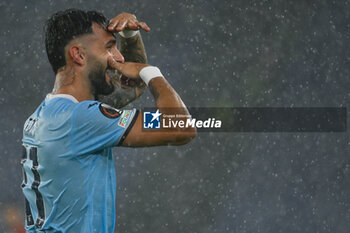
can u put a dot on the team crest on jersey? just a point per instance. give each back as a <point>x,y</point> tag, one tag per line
<point>109,111</point>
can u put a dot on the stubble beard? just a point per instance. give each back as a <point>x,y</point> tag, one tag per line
<point>97,77</point>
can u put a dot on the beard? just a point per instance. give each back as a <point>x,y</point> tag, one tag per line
<point>97,77</point>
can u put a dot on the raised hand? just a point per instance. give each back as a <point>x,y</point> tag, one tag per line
<point>126,21</point>
<point>128,69</point>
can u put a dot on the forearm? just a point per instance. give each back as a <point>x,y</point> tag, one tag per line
<point>167,99</point>
<point>133,49</point>
<point>169,103</point>
<point>164,94</point>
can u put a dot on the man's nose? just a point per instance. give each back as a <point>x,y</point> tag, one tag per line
<point>118,56</point>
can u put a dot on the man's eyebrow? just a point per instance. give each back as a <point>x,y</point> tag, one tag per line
<point>111,42</point>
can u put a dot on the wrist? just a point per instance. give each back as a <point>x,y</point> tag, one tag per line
<point>128,33</point>
<point>150,72</point>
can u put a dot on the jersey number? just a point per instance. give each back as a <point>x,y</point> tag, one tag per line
<point>33,156</point>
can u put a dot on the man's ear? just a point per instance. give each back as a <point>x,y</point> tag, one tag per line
<point>78,54</point>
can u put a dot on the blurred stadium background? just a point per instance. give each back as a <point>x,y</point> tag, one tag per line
<point>239,53</point>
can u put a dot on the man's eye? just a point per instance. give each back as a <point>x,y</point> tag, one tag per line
<point>110,47</point>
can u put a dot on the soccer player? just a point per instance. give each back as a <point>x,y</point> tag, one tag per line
<point>69,179</point>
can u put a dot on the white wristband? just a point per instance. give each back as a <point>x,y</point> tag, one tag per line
<point>150,72</point>
<point>128,33</point>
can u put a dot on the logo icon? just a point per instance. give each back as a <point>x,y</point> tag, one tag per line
<point>109,111</point>
<point>151,120</point>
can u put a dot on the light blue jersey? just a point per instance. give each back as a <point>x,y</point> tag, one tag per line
<point>69,174</point>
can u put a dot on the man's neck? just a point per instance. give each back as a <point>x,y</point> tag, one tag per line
<point>70,82</point>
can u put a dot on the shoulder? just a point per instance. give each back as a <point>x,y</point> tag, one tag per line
<point>95,110</point>
<point>56,108</point>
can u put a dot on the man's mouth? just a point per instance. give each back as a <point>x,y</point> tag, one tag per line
<point>112,74</point>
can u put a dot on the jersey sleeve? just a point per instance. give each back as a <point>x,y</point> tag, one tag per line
<point>96,126</point>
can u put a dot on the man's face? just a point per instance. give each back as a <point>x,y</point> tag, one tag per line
<point>100,45</point>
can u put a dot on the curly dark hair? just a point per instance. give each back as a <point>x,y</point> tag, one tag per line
<point>63,26</point>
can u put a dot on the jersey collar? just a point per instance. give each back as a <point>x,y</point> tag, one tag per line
<point>66,96</point>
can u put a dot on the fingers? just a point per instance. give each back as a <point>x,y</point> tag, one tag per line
<point>144,26</point>
<point>126,21</point>
<point>112,25</point>
<point>128,69</point>
<point>113,63</point>
<point>133,25</point>
<point>122,25</point>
